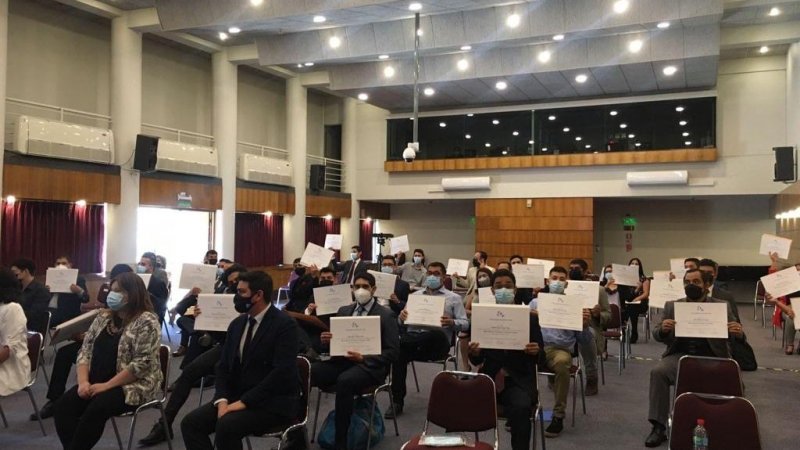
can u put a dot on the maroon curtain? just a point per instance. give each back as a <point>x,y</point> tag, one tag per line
<point>365,239</point>
<point>259,240</point>
<point>43,231</point>
<point>318,227</point>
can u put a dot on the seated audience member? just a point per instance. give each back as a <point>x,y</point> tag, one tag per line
<point>15,366</point>
<point>718,292</point>
<point>469,280</point>
<point>662,376</point>
<point>351,374</point>
<point>398,299</point>
<point>784,315</point>
<point>35,297</point>
<point>504,265</point>
<point>413,272</point>
<point>222,282</point>
<point>67,354</point>
<point>558,348</point>
<point>516,259</point>
<point>421,344</point>
<point>354,266</point>
<point>400,258</point>
<point>211,257</point>
<point>65,306</point>
<point>157,287</point>
<point>298,270</point>
<point>691,263</point>
<point>634,299</point>
<point>513,370</point>
<point>118,365</point>
<point>257,383</point>
<point>524,295</point>
<point>186,320</point>
<point>311,332</point>
<point>301,290</point>
<point>601,315</point>
<point>484,277</point>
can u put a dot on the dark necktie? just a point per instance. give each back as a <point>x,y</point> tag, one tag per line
<point>360,311</point>
<point>349,279</point>
<point>249,336</point>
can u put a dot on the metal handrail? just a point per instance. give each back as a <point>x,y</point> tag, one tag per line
<point>15,107</point>
<point>190,137</point>
<point>262,150</point>
<point>334,171</point>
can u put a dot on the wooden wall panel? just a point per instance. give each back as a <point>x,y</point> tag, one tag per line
<point>319,205</point>
<point>46,183</point>
<point>259,201</point>
<point>375,210</point>
<point>164,192</point>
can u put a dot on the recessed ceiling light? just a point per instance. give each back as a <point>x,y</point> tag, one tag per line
<point>363,96</point>
<point>613,112</point>
<point>428,91</point>
<point>530,142</point>
<point>388,71</point>
<point>383,56</point>
<point>565,130</point>
<point>558,37</point>
<point>687,143</point>
<point>81,203</point>
<point>623,125</point>
<point>465,48</point>
<point>334,42</point>
<point>551,117</point>
<point>462,64</point>
<point>495,122</point>
<point>487,145</point>
<point>515,133</point>
<point>415,6</point>
<point>513,20</point>
<point>581,78</point>
<point>234,30</point>
<point>638,144</point>
<point>467,136</point>
<point>774,11</point>
<point>300,65</point>
<point>663,25</point>
<point>308,64</point>
<point>763,49</point>
<point>679,108</point>
<point>319,19</point>
<point>635,45</point>
<point>505,152</point>
<point>501,85</point>
<point>682,123</point>
<point>578,138</point>
<point>544,56</point>
<point>442,124</point>
<point>419,32</point>
<point>256,2</point>
<point>685,133</point>
<point>587,146</point>
<point>544,149</point>
<point>669,70</point>
<point>631,136</point>
<point>223,36</point>
<point>470,115</point>
<point>620,6</point>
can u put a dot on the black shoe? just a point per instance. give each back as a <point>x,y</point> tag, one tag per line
<point>657,437</point>
<point>156,436</point>
<point>555,427</point>
<point>634,338</point>
<point>45,413</point>
<point>393,412</point>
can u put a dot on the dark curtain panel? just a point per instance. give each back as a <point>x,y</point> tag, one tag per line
<point>365,239</point>
<point>43,231</point>
<point>318,227</point>
<point>259,240</point>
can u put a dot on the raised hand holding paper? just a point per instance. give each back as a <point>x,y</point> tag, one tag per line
<point>457,266</point>
<point>333,241</point>
<point>384,283</point>
<point>588,291</point>
<point>504,327</point>
<point>330,298</point>
<point>356,334</point>
<point>529,275</point>
<point>701,320</point>
<point>625,275</point>
<point>314,255</point>
<point>663,291</point>
<point>563,312</point>
<point>60,280</point>
<point>400,244</point>
<point>775,244</point>
<point>201,276</point>
<point>782,283</point>
<point>216,312</point>
<point>425,310</point>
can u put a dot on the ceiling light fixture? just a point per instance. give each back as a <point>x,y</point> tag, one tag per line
<point>530,142</point>
<point>774,11</point>
<point>620,6</point>
<point>679,108</point>
<point>442,124</point>
<point>388,71</point>
<point>505,152</point>
<point>687,143</point>
<point>334,42</point>
<point>623,125</point>
<point>419,32</point>
<point>578,138</point>
<point>663,25</point>
<point>669,70</point>
<point>467,136</point>
<point>319,19</point>
<point>565,130</point>
<point>256,2</point>
<point>470,115</point>
<point>581,78</point>
<point>551,117</point>
<point>513,20</point>
<point>487,145</point>
<point>613,112</point>
<point>544,149</point>
<point>558,37</point>
<point>223,36</point>
<point>308,64</point>
<point>429,91</point>
<point>635,46</point>
<point>544,56</point>
<point>415,6</point>
<point>234,30</point>
<point>363,96</point>
<point>685,134</point>
<point>466,48</point>
<point>501,85</point>
<point>638,144</point>
<point>80,203</point>
<point>300,65</point>
<point>495,122</point>
<point>682,123</point>
<point>383,56</point>
<point>515,133</point>
<point>268,213</point>
<point>631,136</point>
<point>328,217</point>
<point>462,64</point>
<point>587,146</point>
<point>763,49</point>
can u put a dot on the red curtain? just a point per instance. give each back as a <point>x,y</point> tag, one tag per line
<point>43,231</point>
<point>259,240</point>
<point>365,239</point>
<point>318,227</point>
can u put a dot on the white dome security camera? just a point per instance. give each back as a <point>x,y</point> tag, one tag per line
<point>410,153</point>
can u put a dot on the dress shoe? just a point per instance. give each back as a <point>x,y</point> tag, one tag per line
<point>156,435</point>
<point>591,387</point>
<point>656,438</point>
<point>393,412</point>
<point>179,352</point>
<point>555,427</point>
<point>46,411</point>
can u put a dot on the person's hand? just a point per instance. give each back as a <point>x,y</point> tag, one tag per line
<point>83,390</point>
<point>474,348</point>
<point>769,298</point>
<point>236,406</point>
<point>98,388</point>
<point>78,337</point>
<point>790,313</point>
<point>735,328</point>
<point>313,270</point>
<point>75,289</point>
<point>534,312</point>
<point>312,309</point>
<point>447,322</point>
<point>671,276</point>
<point>587,317</point>
<point>190,311</point>
<point>667,325</point>
<point>222,409</point>
<point>354,356</point>
<point>195,291</point>
<point>404,315</point>
<point>197,311</point>
<point>773,256</point>
<point>393,298</point>
<point>325,337</point>
<point>596,311</point>
<point>536,291</point>
<point>532,348</point>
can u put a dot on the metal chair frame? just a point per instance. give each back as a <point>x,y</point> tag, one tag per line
<point>537,414</point>
<point>622,347</point>
<point>578,372</point>
<point>36,363</point>
<point>451,357</point>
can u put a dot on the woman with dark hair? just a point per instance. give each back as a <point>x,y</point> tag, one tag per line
<point>118,365</point>
<point>634,299</point>
<point>414,271</point>
<point>15,367</point>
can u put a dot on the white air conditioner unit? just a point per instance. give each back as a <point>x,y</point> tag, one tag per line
<point>187,158</point>
<point>664,178</point>
<point>466,184</point>
<point>54,139</point>
<point>261,169</point>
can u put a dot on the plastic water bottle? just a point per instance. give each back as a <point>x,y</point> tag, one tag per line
<point>700,436</point>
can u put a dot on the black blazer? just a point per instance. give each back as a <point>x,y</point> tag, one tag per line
<point>718,346</point>
<point>344,268</point>
<point>401,290</point>
<point>35,301</point>
<point>69,305</point>
<point>185,304</point>
<point>515,362</point>
<point>378,366</point>
<point>266,378</point>
<point>724,294</point>
<point>301,293</point>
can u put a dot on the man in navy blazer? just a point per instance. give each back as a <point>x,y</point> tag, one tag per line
<point>257,384</point>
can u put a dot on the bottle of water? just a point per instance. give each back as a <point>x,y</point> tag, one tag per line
<point>700,436</point>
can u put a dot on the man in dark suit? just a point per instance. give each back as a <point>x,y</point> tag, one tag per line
<point>157,287</point>
<point>355,266</point>
<point>35,297</point>
<point>257,383</point>
<point>399,298</point>
<point>355,372</point>
<point>66,306</point>
<point>717,290</point>
<point>662,376</point>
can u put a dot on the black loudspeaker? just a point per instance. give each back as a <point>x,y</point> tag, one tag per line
<point>146,154</point>
<point>785,168</point>
<point>316,181</point>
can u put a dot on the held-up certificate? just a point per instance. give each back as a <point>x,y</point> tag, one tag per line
<point>563,312</point>
<point>384,283</point>
<point>782,283</point>
<point>663,291</point>
<point>625,275</point>
<point>661,275</point>
<point>425,310</point>
<point>701,320</point>
<point>676,267</point>
<point>59,280</point>
<point>201,276</point>
<point>356,334</point>
<point>400,244</point>
<point>333,241</point>
<point>588,291</point>
<point>76,325</point>
<point>457,266</point>
<point>504,327</point>
<point>314,255</point>
<point>545,262</point>
<point>486,296</point>
<point>529,275</point>
<point>216,312</point>
<point>775,244</point>
<point>330,298</point>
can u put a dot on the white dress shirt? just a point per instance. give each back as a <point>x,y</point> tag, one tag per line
<point>15,372</point>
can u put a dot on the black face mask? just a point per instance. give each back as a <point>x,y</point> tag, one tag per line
<point>325,282</point>
<point>232,288</point>
<point>693,291</point>
<point>476,263</point>
<point>300,271</point>
<point>212,262</point>
<point>242,304</point>
<point>576,274</point>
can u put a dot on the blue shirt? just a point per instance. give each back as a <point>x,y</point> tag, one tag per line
<point>453,308</point>
<point>565,339</point>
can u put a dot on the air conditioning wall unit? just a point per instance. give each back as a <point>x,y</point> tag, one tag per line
<point>467,184</point>
<point>187,158</point>
<point>658,178</point>
<point>53,139</point>
<point>262,169</point>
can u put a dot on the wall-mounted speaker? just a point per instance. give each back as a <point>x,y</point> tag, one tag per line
<point>785,166</point>
<point>146,153</point>
<point>316,179</point>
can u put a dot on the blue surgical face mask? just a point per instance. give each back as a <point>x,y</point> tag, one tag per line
<point>115,301</point>
<point>418,260</point>
<point>433,282</point>
<point>353,256</point>
<point>141,269</point>
<point>387,269</point>
<point>556,287</point>
<point>504,296</point>
<point>220,271</point>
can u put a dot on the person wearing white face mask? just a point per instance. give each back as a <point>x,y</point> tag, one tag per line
<point>66,306</point>
<point>413,272</point>
<point>350,375</point>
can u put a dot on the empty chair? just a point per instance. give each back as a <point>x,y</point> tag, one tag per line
<point>707,375</point>
<point>731,422</point>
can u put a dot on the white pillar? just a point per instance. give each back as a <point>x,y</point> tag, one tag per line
<point>3,68</point>
<point>294,226</point>
<point>350,226</point>
<point>225,126</point>
<point>126,121</point>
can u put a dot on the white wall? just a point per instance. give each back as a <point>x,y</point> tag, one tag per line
<point>262,109</point>
<point>793,95</point>
<point>442,229</point>
<point>726,229</point>
<point>316,123</point>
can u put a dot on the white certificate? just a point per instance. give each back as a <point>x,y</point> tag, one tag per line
<point>457,266</point>
<point>314,255</point>
<point>145,278</point>
<point>333,241</point>
<point>76,325</point>
<point>59,280</point>
<point>216,312</point>
<point>663,291</point>
<point>425,310</point>
<point>775,244</point>
<point>676,267</point>
<point>504,327</point>
<point>796,301</point>
<point>330,298</point>
<point>701,320</point>
<point>201,276</point>
<point>486,296</point>
<point>356,334</point>
<point>588,291</point>
<point>625,275</point>
<point>529,275</point>
<point>563,312</point>
<point>384,283</point>
<point>545,262</point>
<point>782,283</point>
<point>400,244</point>
<point>661,275</point>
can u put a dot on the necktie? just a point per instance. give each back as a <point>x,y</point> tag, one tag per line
<point>350,273</point>
<point>249,336</point>
<point>360,310</point>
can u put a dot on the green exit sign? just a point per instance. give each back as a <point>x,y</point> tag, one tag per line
<point>629,221</point>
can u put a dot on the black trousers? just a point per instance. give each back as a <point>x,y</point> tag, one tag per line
<point>427,345</point>
<point>201,366</point>
<point>349,380</point>
<point>229,430</point>
<point>62,366</point>
<point>632,312</point>
<point>80,422</point>
<point>186,325</point>
<point>517,401</point>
